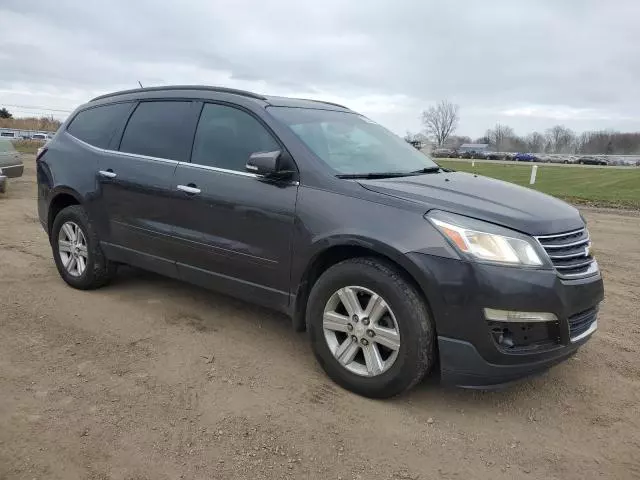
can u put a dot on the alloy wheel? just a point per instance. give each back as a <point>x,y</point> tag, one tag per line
<point>361,331</point>
<point>72,247</point>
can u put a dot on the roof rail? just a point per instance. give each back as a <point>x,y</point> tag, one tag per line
<point>233,91</point>
<point>328,103</point>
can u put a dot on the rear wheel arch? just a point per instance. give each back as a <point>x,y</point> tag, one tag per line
<point>334,254</point>
<point>61,199</point>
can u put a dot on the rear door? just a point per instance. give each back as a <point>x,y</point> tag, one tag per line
<point>234,227</point>
<point>136,179</point>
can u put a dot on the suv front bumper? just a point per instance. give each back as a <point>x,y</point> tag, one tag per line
<point>470,356</point>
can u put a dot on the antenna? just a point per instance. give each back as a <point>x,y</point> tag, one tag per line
<point>140,84</point>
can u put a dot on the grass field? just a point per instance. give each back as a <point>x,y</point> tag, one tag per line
<point>608,187</point>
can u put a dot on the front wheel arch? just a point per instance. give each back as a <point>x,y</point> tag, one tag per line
<point>334,254</point>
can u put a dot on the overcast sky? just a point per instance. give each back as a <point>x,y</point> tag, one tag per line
<point>527,63</point>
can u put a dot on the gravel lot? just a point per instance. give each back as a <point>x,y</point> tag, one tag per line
<point>153,379</point>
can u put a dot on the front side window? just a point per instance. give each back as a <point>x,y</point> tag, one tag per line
<point>159,129</point>
<point>226,137</point>
<point>96,126</point>
<point>352,144</point>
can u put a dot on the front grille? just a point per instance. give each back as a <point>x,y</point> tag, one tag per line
<point>570,253</point>
<point>581,322</point>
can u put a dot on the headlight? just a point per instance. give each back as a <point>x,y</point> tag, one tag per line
<point>480,240</point>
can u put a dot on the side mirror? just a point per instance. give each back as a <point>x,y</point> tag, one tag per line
<point>265,164</point>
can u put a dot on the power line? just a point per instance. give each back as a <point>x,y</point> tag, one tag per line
<point>38,108</point>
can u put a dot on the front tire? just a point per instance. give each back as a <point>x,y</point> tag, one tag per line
<point>76,250</point>
<point>370,329</point>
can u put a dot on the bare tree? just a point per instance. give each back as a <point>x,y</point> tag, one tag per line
<point>560,139</point>
<point>499,136</point>
<point>441,120</point>
<point>409,136</point>
<point>536,142</point>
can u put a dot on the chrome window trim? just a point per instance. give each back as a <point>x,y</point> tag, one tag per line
<point>221,170</point>
<point>232,172</point>
<point>167,160</point>
<point>118,152</point>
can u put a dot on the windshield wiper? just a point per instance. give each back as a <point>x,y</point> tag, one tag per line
<point>372,175</point>
<point>427,170</point>
<point>390,174</point>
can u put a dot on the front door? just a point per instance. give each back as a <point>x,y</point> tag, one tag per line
<point>235,228</point>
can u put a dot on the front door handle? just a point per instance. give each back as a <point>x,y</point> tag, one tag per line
<point>107,173</point>
<point>191,189</point>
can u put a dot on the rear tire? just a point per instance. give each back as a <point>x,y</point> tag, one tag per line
<point>98,270</point>
<point>415,355</point>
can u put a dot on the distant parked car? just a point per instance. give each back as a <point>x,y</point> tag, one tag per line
<point>39,136</point>
<point>493,156</point>
<point>10,164</point>
<point>558,159</point>
<point>444,153</point>
<point>525,157</point>
<point>592,161</point>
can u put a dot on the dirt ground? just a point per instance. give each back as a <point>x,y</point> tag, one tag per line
<point>150,378</point>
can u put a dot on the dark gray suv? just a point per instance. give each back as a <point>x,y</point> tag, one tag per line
<point>393,265</point>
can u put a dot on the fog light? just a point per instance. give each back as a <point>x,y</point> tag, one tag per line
<point>511,316</point>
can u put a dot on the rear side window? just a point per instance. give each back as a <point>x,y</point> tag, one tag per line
<point>226,137</point>
<point>159,129</point>
<point>97,126</point>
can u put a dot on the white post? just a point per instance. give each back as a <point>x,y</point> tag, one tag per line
<point>473,163</point>
<point>534,171</point>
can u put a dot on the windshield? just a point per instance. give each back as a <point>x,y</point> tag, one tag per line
<point>351,143</point>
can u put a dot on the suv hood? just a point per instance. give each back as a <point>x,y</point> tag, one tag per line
<point>494,201</point>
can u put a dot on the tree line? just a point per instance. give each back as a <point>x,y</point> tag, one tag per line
<point>440,122</point>
<point>44,123</point>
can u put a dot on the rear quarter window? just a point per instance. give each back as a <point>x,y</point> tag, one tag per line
<point>96,126</point>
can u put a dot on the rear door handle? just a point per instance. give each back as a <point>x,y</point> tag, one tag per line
<point>190,189</point>
<point>107,173</point>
